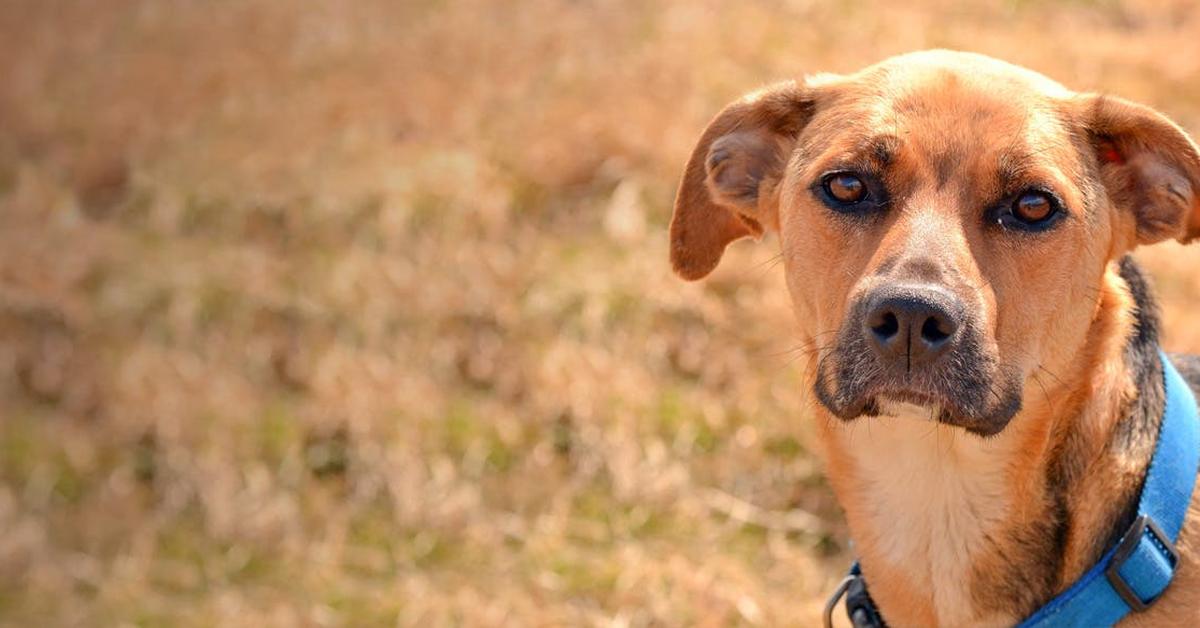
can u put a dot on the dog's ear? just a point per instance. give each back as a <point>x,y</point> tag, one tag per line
<point>1148,165</point>
<point>730,184</point>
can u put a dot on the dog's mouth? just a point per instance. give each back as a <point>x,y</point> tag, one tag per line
<point>971,391</point>
<point>912,404</point>
<point>900,402</point>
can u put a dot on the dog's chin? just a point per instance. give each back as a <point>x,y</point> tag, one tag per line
<point>922,407</point>
<point>911,405</point>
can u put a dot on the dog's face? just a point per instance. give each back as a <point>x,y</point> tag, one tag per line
<point>946,221</point>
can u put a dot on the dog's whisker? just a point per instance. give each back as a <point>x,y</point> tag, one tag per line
<point>767,266</point>
<point>1051,374</point>
<point>771,261</point>
<point>806,344</point>
<point>1045,393</point>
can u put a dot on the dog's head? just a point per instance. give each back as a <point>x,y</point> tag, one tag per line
<point>946,221</point>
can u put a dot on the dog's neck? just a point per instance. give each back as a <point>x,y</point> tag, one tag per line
<point>954,529</point>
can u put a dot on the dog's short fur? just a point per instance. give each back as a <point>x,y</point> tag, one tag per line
<point>980,485</point>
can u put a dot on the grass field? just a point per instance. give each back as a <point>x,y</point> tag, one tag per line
<point>346,314</point>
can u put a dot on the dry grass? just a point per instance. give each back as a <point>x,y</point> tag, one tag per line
<point>359,314</point>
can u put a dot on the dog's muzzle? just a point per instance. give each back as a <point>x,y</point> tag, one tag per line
<point>916,345</point>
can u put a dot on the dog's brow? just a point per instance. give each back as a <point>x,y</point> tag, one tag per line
<point>880,148</point>
<point>1012,169</point>
<point>873,152</point>
<point>1017,168</point>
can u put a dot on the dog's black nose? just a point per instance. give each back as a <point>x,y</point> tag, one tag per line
<point>912,324</point>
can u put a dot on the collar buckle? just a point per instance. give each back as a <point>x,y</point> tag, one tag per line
<point>1151,557</point>
<point>837,596</point>
<point>860,608</point>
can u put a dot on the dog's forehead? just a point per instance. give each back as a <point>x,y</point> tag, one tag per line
<point>959,114</point>
<point>935,70</point>
<point>943,93</point>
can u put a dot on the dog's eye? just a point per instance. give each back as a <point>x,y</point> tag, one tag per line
<point>1031,210</point>
<point>845,188</point>
<point>1033,207</point>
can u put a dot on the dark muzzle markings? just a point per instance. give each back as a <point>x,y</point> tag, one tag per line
<point>916,343</point>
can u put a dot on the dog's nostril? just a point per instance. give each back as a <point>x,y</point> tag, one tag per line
<point>911,326</point>
<point>934,330</point>
<point>887,327</point>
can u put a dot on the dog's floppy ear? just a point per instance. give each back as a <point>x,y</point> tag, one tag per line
<point>729,188</point>
<point>1148,165</point>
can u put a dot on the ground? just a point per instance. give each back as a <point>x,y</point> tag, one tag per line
<point>360,313</point>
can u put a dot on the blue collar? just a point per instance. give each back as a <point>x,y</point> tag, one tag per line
<point>1134,573</point>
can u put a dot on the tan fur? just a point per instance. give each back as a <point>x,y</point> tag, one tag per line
<point>938,513</point>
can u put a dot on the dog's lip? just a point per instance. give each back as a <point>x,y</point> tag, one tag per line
<point>868,404</point>
<point>879,392</point>
<point>913,396</point>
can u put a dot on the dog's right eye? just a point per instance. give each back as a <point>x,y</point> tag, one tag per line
<point>844,190</point>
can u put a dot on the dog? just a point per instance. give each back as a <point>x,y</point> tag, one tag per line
<point>955,233</point>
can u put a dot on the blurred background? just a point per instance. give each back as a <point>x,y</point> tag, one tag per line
<point>345,314</point>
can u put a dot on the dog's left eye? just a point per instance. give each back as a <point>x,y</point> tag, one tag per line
<point>1031,210</point>
<point>1033,207</point>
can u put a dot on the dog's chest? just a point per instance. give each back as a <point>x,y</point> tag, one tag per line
<point>930,497</point>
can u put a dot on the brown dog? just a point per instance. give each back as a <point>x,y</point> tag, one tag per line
<point>954,231</point>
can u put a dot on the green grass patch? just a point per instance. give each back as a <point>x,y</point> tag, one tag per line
<point>783,446</point>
